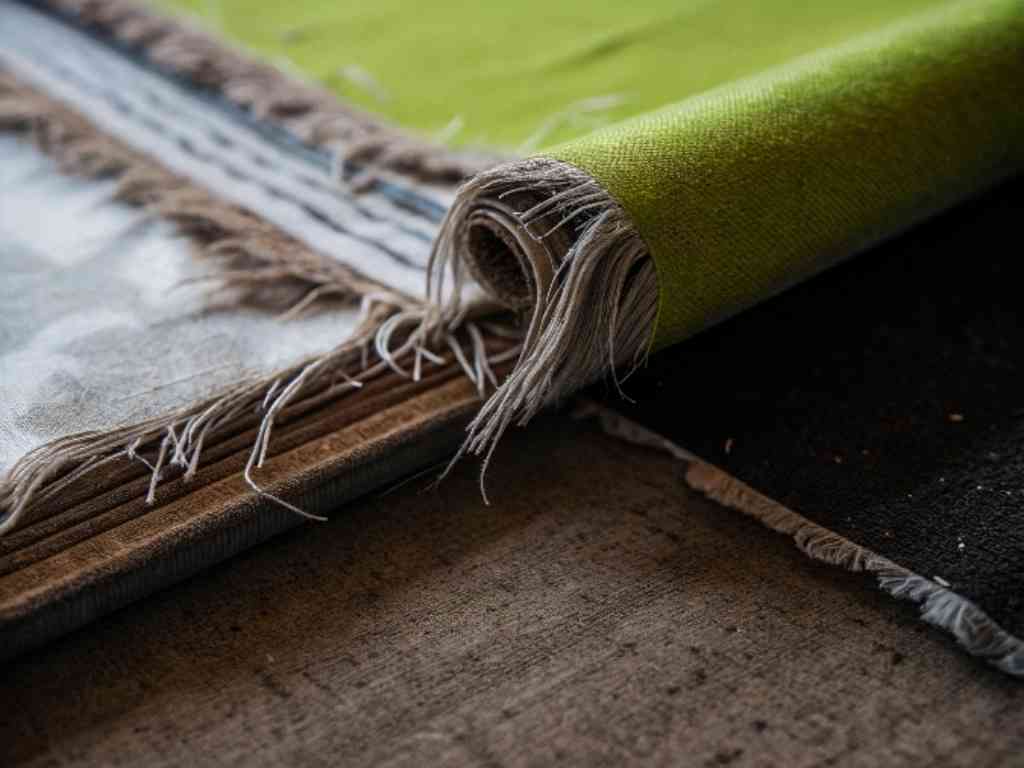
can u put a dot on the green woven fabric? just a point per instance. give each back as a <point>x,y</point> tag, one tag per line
<point>511,72</point>
<point>800,132</point>
<point>752,187</point>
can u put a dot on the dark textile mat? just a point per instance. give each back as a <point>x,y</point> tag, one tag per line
<point>883,400</point>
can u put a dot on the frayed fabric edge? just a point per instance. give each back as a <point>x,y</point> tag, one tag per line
<point>570,240</point>
<point>255,260</point>
<point>939,606</point>
<point>390,341</point>
<point>362,144</point>
<point>546,239</point>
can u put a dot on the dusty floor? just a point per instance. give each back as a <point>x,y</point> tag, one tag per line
<point>598,612</point>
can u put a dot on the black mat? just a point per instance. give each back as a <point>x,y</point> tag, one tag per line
<point>883,400</point>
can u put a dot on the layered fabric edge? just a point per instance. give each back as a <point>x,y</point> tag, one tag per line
<point>253,258</point>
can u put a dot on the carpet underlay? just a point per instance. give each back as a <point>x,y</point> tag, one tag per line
<point>387,294</point>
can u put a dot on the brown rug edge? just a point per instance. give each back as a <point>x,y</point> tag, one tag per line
<point>177,540</point>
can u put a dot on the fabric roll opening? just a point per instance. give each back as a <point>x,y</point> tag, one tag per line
<point>545,239</point>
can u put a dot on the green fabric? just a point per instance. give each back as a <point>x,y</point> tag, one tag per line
<point>800,132</point>
<point>752,187</point>
<point>511,70</point>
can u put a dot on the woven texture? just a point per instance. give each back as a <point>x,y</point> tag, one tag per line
<point>534,71</point>
<point>750,188</point>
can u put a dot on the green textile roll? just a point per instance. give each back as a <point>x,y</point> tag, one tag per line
<point>806,131</point>
<point>756,185</point>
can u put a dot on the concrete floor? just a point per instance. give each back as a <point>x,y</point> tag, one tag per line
<point>597,613</point>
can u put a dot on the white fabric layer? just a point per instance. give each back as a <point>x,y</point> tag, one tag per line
<point>371,232</point>
<point>96,330</point>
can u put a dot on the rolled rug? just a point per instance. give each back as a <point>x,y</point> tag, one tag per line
<point>679,218</point>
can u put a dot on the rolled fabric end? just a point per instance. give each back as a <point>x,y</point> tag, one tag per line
<point>642,234</point>
<point>545,239</point>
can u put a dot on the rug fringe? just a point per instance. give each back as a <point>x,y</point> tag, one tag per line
<point>390,340</point>
<point>546,239</point>
<point>361,143</point>
<point>255,261</point>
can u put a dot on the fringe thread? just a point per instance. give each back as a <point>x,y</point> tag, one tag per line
<point>545,238</point>
<point>396,336</point>
<point>362,144</point>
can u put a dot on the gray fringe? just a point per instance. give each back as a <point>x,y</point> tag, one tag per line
<point>390,341</point>
<point>362,143</point>
<point>939,605</point>
<point>545,238</point>
<point>255,260</point>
